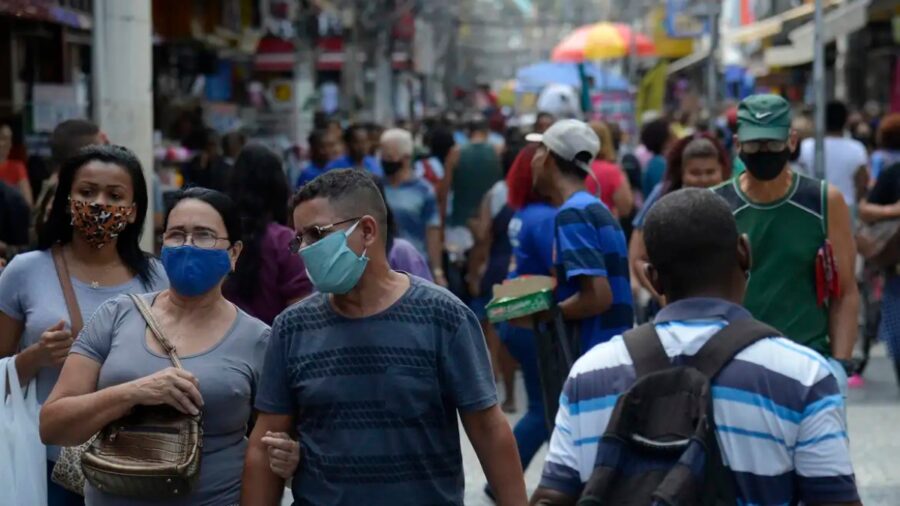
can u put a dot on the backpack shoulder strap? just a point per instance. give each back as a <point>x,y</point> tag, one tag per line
<point>727,343</point>
<point>646,350</point>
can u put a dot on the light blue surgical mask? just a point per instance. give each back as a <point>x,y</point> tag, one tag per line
<point>331,265</point>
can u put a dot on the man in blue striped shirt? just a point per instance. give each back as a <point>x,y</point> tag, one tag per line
<point>590,254</point>
<point>777,406</point>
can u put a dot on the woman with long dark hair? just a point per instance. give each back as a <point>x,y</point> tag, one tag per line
<point>268,277</point>
<point>115,366</point>
<point>698,161</point>
<point>95,226</point>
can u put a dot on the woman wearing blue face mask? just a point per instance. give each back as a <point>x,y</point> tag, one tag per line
<point>115,364</point>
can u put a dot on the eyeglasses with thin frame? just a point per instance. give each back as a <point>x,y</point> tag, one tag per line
<point>752,147</point>
<point>204,239</point>
<point>315,234</point>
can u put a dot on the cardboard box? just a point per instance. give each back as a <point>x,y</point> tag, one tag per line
<point>519,297</point>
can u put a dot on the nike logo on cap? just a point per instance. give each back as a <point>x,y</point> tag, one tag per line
<point>761,115</point>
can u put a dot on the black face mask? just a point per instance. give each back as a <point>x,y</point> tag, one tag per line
<point>766,165</point>
<point>391,167</point>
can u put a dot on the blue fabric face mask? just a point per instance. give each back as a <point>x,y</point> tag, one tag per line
<point>194,271</point>
<point>331,265</point>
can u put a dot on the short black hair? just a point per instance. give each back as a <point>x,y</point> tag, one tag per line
<point>836,115</point>
<point>316,137</point>
<point>691,238</point>
<point>351,191</point>
<point>352,129</point>
<point>70,136</point>
<point>544,114</point>
<point>222,203</point>
<point>655,134</point>
<point>58,227</point>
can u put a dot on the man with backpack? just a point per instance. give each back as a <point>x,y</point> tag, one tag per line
<point>636,417</point>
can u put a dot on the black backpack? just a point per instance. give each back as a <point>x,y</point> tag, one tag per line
<point>660,447</point>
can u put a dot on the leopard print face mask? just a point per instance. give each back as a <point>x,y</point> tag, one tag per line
<point>98,223</point>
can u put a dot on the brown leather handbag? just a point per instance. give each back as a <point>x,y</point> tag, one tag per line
<point>152,453</point>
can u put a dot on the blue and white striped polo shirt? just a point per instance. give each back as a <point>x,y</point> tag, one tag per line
<point>778,411</point>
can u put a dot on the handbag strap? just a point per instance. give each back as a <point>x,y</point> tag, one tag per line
<point>62,272</point>
<point>157,332</point>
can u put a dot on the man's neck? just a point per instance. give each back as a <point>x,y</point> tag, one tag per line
<point>478,138</point>
<point>834,134</point>
<point>378,289</point>
<point>564,190</point>
<point>401,176</point>
<point>319,162</point>
<point>358,160</point>
<point>763,192</point>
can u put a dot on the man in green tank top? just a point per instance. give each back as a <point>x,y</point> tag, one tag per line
<point>470,172</point>
<point>789,218</point>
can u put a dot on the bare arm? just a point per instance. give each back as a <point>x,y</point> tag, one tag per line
<point>593,297</point>
<point>435,246</point>
<point>25,188</point>
<point>871,213</point>
<point>843,310</point>
<point>260,485</point>
<point>638,260</point>
<point>50,351</point>
<point>447,182</point>
<point>495,446</point>
<point>623,198</point>
<point>478,255</point>
<point>549,497</point>
<point>861,181</point>
<point>75,410</point>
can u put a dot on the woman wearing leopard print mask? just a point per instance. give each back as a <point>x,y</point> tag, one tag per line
<point>95,224</point>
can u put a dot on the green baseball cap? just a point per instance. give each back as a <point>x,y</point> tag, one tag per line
<point>764,117</point>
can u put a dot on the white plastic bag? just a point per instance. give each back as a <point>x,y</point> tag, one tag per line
<point>23,458</point>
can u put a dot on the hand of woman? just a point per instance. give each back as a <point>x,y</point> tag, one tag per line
<point>53,346</point>
<point>175,387</point>
<point>284,453</point>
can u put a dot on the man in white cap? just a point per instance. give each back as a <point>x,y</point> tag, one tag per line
<point>590,254</point>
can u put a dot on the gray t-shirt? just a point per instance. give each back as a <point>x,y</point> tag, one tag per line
<point>228,374</point>
<point>376,398</point>
<point>30,293</point>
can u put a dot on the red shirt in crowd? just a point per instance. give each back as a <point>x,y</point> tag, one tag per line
<point>611,179</point>
<point>12,171</point>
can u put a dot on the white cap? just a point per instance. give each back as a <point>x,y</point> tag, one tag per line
<point>568,138</point>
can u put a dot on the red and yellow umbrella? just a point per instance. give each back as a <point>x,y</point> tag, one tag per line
<point>602,41</point>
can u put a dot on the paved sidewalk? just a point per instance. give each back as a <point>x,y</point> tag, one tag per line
<point>874,423</point>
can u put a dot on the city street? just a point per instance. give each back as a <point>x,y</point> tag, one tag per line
<point>874,418</point>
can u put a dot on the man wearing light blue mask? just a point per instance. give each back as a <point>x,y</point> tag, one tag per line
<point>371,371</point>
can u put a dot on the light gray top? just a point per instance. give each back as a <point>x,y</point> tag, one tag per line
<point>30,293</point>
<point>228,373</point>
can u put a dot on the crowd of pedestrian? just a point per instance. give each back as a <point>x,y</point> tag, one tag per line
<point>324,313</point>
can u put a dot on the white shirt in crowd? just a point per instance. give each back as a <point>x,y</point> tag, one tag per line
<point>843,156</point>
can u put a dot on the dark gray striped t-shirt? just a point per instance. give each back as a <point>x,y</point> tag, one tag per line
<point>376,398</point>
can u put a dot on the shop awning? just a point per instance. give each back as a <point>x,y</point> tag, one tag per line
<point>842,21</point>
<point>700,54</point>
<point>772,25</point>
<point>274,54</point>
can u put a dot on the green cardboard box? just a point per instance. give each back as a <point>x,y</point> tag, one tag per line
<point>519,297</point>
